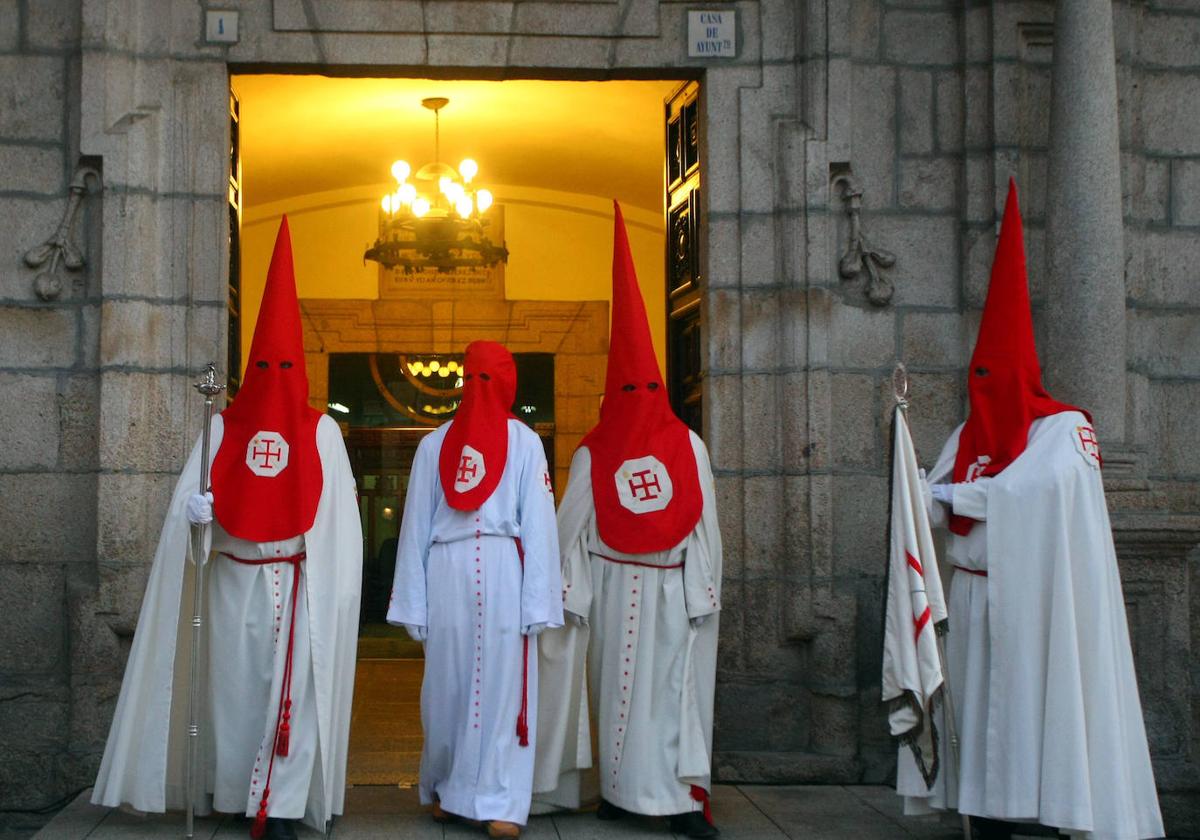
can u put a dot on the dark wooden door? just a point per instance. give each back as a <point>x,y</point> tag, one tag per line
<point>233,361</point>
<point>684,281</point>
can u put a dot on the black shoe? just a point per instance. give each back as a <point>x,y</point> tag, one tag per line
<point>692,824</point>
<point>609,811</point>
<point>279,829</point>
<point>986,829</point>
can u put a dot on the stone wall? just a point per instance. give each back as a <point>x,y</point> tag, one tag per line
<point>49,383</point>
<point>928,104</point>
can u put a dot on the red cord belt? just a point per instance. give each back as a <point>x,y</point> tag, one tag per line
<point>283,713</point>
<point>523,715</point>
<point>976,572</point>
<point>636,563</point>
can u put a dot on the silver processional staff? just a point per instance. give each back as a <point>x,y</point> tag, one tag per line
<point>209,388</point>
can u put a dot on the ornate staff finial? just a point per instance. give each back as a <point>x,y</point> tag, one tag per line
<point>209,386</point>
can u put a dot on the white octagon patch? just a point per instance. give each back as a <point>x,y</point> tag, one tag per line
<point>267,454</point>
<point>470,470</point>
<point>1087,445</point>
<point>643,484</point>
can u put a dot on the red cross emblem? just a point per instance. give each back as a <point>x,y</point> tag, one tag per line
<point>644,488</point>
<point>466,469</point>
<point>1088,445</point>
<point>643,485</point>
<point>267,454</point>
<point>470,471</point>
<point>975,470</point>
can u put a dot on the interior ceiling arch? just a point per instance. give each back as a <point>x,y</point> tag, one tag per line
<point>302,134</point>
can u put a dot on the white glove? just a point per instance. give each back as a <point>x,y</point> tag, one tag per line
<point>416,632</point>
<point>926,491</point>
<point>943,493</point>
<point>199,509</point>
<point>698,620</point>
<point>575,618</point>
<point>533,629</point>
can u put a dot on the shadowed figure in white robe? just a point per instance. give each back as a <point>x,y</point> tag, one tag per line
<point>284,569</point>
<point>1039,662</point>
<point>641,559</point>
<point>477,583</point>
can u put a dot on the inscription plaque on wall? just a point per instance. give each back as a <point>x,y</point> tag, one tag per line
<point>712,34</point>
<point>459,282</point>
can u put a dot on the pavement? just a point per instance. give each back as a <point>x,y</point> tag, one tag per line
<point>388,812</point>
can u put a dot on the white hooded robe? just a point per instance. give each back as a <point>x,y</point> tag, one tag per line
<point>459,574</point>
<point>242,653</point>
<point>1040,666</point>
<point>652,672</point>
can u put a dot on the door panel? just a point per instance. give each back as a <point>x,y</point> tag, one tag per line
<point>685,382</point>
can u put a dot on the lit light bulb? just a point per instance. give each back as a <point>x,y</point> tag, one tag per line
<point>468,169</point>
<point>455,192</point>
<point>444,372</point>
<point>483,200</point>
<point>401,170</point>
<point>387,204</point>
<point>407,193</point>
<point>444,184</point>
<point>435,365</point>
<point>420,207</point>
<point>464,206</point>
<point>414,368</point>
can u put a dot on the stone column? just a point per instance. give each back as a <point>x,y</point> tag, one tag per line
<point>1084,357</point>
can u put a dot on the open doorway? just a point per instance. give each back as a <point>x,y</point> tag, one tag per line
<point>384,342</point>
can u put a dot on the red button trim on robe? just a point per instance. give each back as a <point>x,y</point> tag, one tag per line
<point>279,502</point>
<point>1004,381</point>
<point>280,744</point>
<point>638,423</point>
<point>477,440</point>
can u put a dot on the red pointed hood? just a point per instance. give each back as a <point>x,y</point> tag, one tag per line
<point>1005,380</point>
<point>266,476</point>
<point>475,449</point>
<point>645,483</point>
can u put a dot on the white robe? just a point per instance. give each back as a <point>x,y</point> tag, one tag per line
<point>652,673</point>
<point>242,662</point>
<point>1040,666</point>
<point>458,574</point>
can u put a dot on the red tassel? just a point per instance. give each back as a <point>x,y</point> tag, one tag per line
<point>523,715</point>
<point>283,737</point>
<point>699,794</point>
<point>282,741</point>
<point>260,821</point>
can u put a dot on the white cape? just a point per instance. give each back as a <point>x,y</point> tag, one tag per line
<point>1064,742</point>
<point>144,759</point>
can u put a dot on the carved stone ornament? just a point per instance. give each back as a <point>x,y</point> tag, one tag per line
<point>59,249</point>
<point>861,255</point>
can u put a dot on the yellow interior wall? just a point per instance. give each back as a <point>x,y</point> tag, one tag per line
<point>560,248</point>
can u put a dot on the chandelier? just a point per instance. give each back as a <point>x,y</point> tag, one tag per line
<point>437,220</point>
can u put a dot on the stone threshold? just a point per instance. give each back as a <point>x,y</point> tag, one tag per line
<point>376,812</point>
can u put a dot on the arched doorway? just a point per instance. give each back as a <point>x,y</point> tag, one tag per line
<point>554,154</point>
